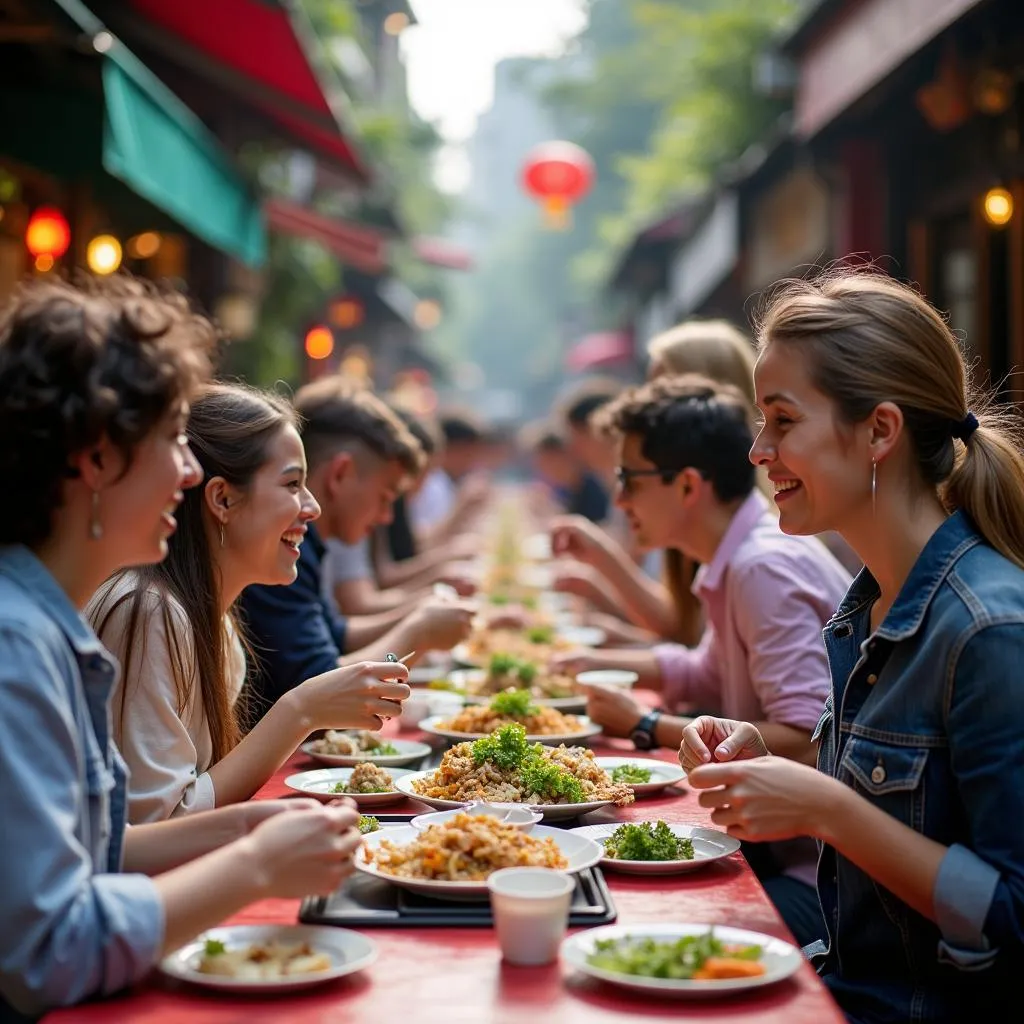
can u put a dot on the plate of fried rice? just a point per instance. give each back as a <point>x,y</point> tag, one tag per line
<point>561,782</point>
<point>453,860</point>
<point>480,686</point>
<point>512,707</point>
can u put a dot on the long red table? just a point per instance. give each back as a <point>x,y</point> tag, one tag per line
<point>456,976</point>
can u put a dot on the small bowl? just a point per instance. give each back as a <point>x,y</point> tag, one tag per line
<point>522,818</point>
<point>621,678</point>
<point>425,703</point>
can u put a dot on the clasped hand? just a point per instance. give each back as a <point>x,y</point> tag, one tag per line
<point>752,794</point>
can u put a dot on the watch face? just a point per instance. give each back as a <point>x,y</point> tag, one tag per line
<point>642,739</point>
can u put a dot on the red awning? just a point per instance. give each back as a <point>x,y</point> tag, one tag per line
<point>358,245</point>
<point>266,48</point>
<point>441,253</point>
<point>609,348</point>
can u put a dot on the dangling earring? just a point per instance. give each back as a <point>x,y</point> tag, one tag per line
<point>95,526</point>
<point>222,535</point>
<point>874,484</point>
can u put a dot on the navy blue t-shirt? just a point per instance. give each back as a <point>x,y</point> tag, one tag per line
<point>293,630</point>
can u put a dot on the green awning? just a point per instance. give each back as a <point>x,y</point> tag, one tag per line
<point>153,144</point>
<point>161,150</point>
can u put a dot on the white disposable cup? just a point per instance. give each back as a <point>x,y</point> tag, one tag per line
<point>531,911</point>
<point>621,678</point>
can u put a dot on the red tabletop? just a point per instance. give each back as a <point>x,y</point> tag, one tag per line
<point>456,976</point>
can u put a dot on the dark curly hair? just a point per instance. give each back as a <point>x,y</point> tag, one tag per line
<point>686,422</point>
<point>79,362</point>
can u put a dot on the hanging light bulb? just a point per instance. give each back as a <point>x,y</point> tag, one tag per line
<point>103,254</point>
<point>998,207</point>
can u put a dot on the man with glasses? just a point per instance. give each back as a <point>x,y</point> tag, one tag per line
<point>685,481</point>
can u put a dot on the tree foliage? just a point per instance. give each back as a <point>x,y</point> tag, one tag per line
<point>300,276</point>
<point>710,112</point>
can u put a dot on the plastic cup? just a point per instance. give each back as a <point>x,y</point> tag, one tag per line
<point>531,912</point>
<point>621,678</point>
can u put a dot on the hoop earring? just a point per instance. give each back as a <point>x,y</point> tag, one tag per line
<point>95,526</point>
<point>874,484</point>
<point>222,535</point>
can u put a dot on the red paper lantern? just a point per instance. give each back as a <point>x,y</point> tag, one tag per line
<point>558,174</point>
<point>48,233</point>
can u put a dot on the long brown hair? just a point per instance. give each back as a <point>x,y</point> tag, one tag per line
<point>230,430</point>
<point>869,339</point>
<point>721,352</point>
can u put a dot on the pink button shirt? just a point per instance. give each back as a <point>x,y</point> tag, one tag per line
<point>766,597</point>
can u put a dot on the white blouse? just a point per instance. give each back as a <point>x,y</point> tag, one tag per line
<point>168,752</point>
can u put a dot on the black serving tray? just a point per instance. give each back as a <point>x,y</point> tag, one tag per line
<point>367,902</point>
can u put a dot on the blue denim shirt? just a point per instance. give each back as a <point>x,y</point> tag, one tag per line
<point>293,630</point>
<point>926,721</point>
<point>71,926</point>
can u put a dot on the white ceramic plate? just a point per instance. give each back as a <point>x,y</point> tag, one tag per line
<point>551,812</point>
<point>320,783</point>
<point>462,677</point>
<point>536,576</point>
<point>663,774</point>
<point>580,851</point>
<point>780,959</point>
<point>709,844</point>
<point>348,950</point>
<point>587,730</point>
<point>409,752</point>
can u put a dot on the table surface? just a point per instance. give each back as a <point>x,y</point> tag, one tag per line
<point>456,975</point>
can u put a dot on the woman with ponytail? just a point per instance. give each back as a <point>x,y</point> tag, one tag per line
<point>871,428</point>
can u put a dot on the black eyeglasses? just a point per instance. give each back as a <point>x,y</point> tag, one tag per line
<point>625,476</point>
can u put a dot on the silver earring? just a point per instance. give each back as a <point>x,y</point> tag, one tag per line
<point>874,484</point>
<point>222,535</point>
<point>95,526</point>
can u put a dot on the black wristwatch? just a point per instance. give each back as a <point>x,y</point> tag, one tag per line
<point>643,732</point>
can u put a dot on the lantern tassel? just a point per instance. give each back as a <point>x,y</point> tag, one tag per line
<point>557,214</point>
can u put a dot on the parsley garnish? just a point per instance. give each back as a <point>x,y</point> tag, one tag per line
<point>514,703</point>
<point>645,841</point>
<point>507,749</point>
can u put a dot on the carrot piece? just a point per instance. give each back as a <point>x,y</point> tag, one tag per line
<point>717,968</point>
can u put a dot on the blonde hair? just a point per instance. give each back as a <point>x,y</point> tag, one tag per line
<point>721,352</point>
<point>712,348</point>
<point>870,339</point>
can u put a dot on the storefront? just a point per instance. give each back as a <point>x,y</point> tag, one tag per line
<point>915,110</point>
<point>787,219</point>
<point>101,165</point>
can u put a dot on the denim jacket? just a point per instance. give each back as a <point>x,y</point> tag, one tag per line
<point>71,926</point>
<point>926,721</point>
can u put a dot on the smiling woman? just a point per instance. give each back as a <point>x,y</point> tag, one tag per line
<point>174,628</point>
